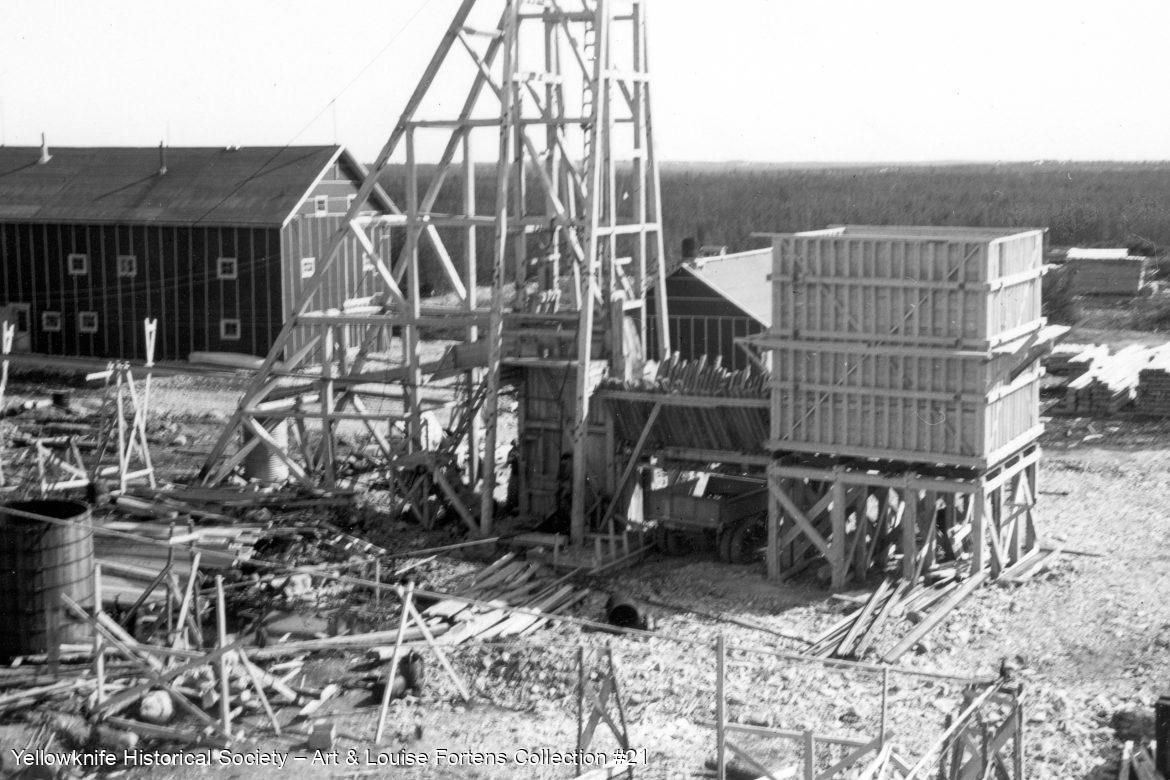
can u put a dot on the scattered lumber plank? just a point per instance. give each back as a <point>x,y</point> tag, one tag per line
<point>935,617</point>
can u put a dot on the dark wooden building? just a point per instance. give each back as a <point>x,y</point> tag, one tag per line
<point>215,243</point>
<point>714,300</point>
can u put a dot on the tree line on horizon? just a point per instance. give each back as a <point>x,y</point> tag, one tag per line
<point>1081,204</point>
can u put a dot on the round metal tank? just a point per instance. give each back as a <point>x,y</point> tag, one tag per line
<point>261,463</point>
<point>38,562</point>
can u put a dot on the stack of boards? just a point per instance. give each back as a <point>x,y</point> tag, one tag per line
<point>1136,377</point>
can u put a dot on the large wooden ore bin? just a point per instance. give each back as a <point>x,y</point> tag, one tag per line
<point>907,344</point>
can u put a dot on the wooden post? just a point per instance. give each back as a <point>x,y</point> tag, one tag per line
<point>378,587</point>
<point>225,705</point>
<point>1018,736</point>
<point>909,532</point>
<point>885,705</point>
<point>772,553</point>
<point>975,512</point>
<point>810,755</point>
<point>720,708</point>
<point>948,721</point>
<point>580,699</point>
<point>1162,735</point>
<point>838,545</point>
<point>393,668</point>
<point>328,404</point>
<point>123,465</point>
<point>99,660</point>
<point>170,594</point>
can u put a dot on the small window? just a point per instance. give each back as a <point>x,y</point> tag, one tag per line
<point>87,322</point>
<point>308,267</point>
<point>78,265</point>
<point>321,205</point>
<point>226,268</point>
<point>349,199</point>
<point>229,329</point>
<point>51,321</point>
<point>127,265</point>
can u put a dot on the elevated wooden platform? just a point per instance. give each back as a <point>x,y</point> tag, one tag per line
<point>858,519</point>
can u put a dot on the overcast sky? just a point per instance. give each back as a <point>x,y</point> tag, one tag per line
<point>763,80</point>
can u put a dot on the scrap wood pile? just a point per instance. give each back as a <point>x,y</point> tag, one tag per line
<point>504,584</point>
<point>899,614</point>
<point>1111,383</point>
<point>736,425</point>
<point>176,691</point>
<point>154,536</point>
<point>187,680</point>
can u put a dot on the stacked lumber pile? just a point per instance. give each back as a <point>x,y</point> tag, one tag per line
<point>692,413</point>
<point>1110,384</point>
<point>1153,390</point>
<point>1108,276</point>
<point>1073,360</point>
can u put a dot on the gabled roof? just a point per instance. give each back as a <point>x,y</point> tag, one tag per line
<point>239,186</point>
<point>741,278</point>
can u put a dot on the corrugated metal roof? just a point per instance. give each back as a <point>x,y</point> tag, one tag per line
<point>258,185</point>
<point>741,278</point>
<point>1079,253</point>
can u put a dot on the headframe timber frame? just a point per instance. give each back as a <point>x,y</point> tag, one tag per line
<point>584,181</point>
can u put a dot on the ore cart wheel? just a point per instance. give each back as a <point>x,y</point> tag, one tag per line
<point>745,541</point>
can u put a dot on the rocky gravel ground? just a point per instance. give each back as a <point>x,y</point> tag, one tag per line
<point>1090,635</point>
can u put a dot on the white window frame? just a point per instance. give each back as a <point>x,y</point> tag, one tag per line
<point>82,317</point>
<point>234,273</point>
<point>308,267</point>
<point>78,264</point>
<point>127,269</point>
<point>223,329</point>
<point>349,199</point>
<point>51,321</point>
<point>321,205</point>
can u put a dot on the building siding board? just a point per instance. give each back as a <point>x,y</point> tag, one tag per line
<point>176,277</point>
<point>702,322</point>
<point>310,237</point>
<point>175,282</point>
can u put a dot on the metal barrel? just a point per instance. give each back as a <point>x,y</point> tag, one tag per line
<point>38,562</point>
<point>261,463</point>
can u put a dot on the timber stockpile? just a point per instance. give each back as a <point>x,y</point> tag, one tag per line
<point>1107,272</point>
<point>1135,379</point>
<point>691,405</point>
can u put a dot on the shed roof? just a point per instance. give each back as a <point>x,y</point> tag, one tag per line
<point>741,278</point>
<point>1080,253</point>
<point>243,186</point>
